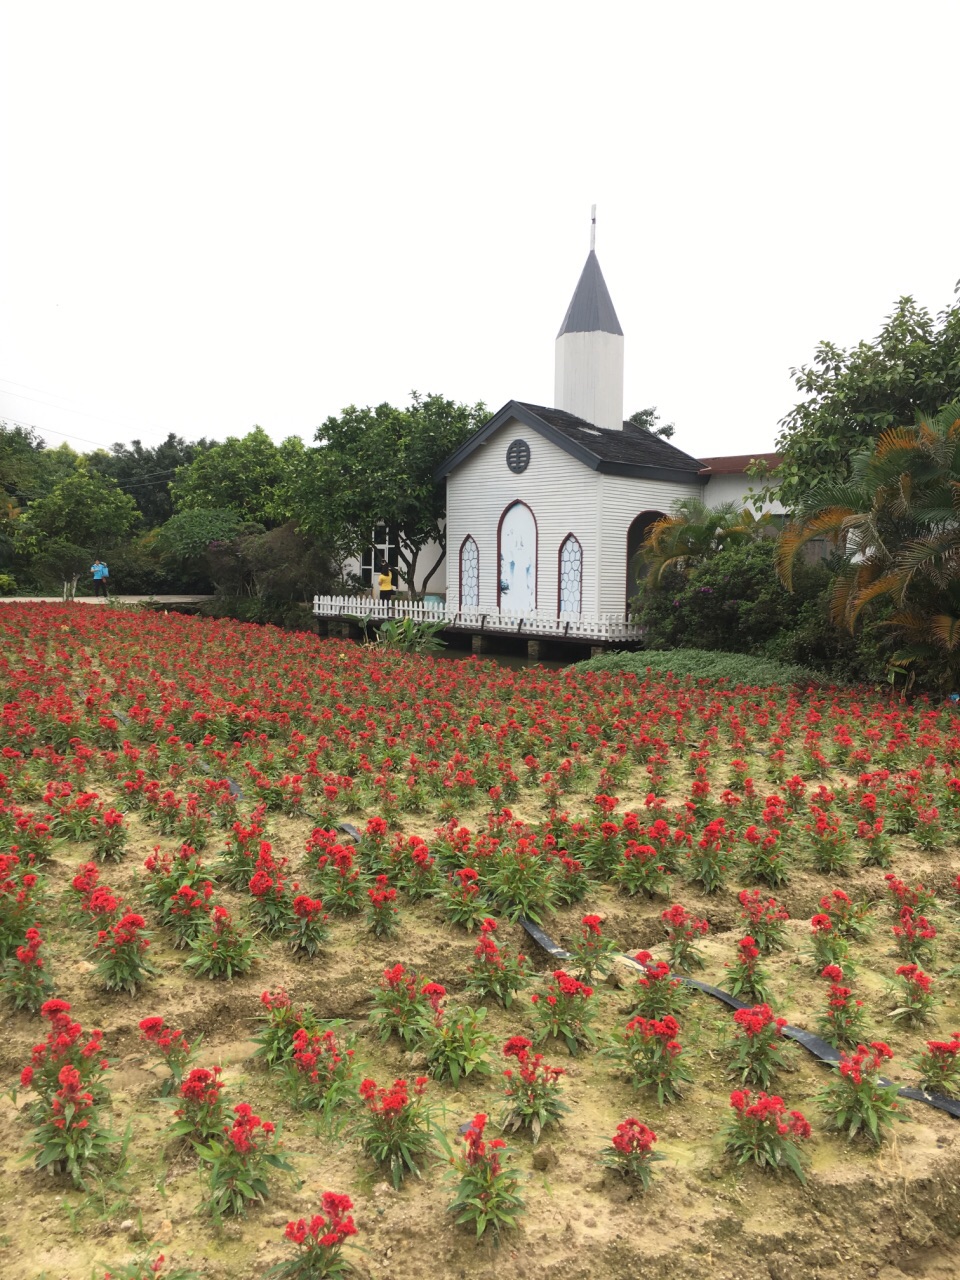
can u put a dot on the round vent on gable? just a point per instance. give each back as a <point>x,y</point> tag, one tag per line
<point>518,456</point>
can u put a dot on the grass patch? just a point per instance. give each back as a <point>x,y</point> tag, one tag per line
<point>705,664</point>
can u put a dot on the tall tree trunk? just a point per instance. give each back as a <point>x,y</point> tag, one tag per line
<point>436,566</point>
<point>409,555</point>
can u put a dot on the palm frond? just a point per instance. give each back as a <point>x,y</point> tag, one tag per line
<point>947,421</point>
<point>905,439</point>
<point>672,562</point>
<point>889,584</point>
<point>927,555</point>
<point>831,493</point>
<point>832,522</point>
<point>841,593</point>
<point>946,628</point>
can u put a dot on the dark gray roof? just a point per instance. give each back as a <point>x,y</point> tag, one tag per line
<point>591,309</point>
<point>632,444</point>
<point>630,452</point>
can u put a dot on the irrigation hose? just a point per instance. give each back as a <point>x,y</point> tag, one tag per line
<point>813,1044</point>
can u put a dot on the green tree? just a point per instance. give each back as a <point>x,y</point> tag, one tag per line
<point>851,396</point>
<point>84,509</point>
<point>21,452</point>
<point>649,420</point>
<point>182,545</point>
<point>146,472</point>
<point>278,565</point>
<point>58,564</point>
<point>249,475</point>
<point>896,522</point>
<point>375,466</point>
<point>21,463</point>
<point>57,464</point>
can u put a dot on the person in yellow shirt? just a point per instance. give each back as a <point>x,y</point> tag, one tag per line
<point>386,582</point>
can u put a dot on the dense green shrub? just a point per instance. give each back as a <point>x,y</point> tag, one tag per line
<point>702,664</point>
<point>282,565</point>
<point>731,600</point>
<point>279,613</point>
<point>813,640</point>
<point>136,569</point>
<point>734,602</point>
<point>8,584</point>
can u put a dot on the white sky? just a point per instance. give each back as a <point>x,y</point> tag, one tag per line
<point>215,214</point>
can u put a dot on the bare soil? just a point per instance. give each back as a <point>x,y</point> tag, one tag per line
<point>884,1213</point>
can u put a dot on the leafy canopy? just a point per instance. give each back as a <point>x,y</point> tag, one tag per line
<point>84,509</point>
<point>649,420</point>
<point>20,461</point>
<point>375,466</point>
<point>896,521</point>
<point>146,472</point>
<point>249,475</point>
<point>851,396</point>
<point>189,534</point>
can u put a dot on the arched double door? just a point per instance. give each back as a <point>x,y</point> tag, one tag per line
<point>518,550</point>
<point>517,538</point>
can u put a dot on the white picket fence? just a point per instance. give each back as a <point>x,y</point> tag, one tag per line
<point>572,626</point>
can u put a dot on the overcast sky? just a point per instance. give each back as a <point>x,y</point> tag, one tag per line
<point>215,214</point>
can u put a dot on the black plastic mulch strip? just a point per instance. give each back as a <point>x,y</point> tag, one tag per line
<point>813,1044</point>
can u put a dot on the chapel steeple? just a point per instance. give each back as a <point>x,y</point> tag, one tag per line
<point>588,379</point>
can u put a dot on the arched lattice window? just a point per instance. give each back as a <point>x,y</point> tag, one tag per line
<point>469,574</point>
<point>570,575</point>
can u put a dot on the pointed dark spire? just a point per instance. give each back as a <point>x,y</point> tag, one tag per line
<point>591,308</point>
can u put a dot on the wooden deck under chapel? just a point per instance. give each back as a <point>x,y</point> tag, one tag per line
<point>538,628</point>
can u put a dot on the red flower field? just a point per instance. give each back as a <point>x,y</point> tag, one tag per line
<point>237,1037</point>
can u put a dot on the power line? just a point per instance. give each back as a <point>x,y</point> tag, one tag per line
<point>62,408</point>
<point>33,427</point>
<point>39,390</point>
<point>84,413</point>
<point>145,482</point>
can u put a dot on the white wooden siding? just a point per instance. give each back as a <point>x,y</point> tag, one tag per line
<point>565,497</point>
<point>560,492</point>
<point>621,499</point>
<point>735,487</point>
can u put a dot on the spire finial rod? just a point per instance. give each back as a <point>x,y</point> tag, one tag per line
<point>593,227</point>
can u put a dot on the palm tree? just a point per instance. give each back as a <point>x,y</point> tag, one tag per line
<point>896,522</point>
<point>694,532</point>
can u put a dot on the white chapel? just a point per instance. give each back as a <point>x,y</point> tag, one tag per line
<point>547,507</point>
